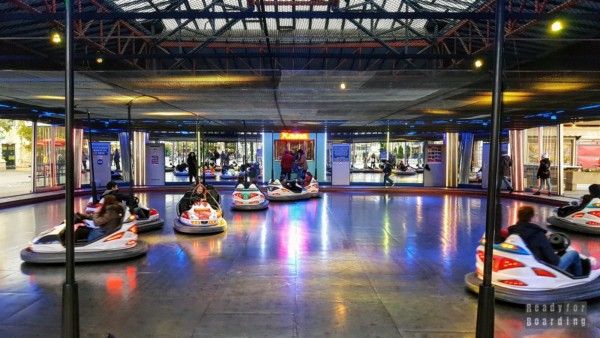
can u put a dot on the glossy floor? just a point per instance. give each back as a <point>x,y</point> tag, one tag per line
<point>345,265</point>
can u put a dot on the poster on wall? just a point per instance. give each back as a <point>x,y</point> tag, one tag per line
<point>155,164</point>
<point>101,164</point>
<point>435,153</point>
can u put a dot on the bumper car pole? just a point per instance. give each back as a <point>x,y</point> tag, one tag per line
<point>70,299</point>
<point>485,306</point>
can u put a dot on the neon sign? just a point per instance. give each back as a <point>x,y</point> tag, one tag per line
<point>285,135</point>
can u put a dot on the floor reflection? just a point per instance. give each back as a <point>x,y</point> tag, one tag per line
<point>343,265</point>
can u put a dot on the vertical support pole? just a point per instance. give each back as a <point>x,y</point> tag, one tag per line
<point>561,160</point>
<point>91,157</point>
<point>130,132</point>
<point>34,154</point>
<point>485,306</point>
<point>316,155</point>
<point>70,299</point>
<point>517,153</point>
<point>387,145</point>
<point>199,154</point>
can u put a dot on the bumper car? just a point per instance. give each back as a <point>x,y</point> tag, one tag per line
<point>116,175</point>
<point>586,220</point>
<point>148,219</point>
<point>48,247</point>
<point>290,191</point>
<point>248,198</point>
<point>196,215</point>
<point>183,172</point>
<point>408,172</point>
<point>208,173</point>
<point>420,170</point>
<point>229,174</point>
<point>518,277</point>
<point>313,188</point>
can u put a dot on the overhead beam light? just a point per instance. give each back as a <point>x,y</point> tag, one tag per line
<point>99,60</point>
<point>478,63</point>
<point>556,26</point>
<point>55,38</point>
<point>342,85</point>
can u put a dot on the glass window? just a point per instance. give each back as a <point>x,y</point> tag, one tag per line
<point>16,139</point>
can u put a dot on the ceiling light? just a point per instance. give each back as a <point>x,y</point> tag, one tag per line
<point>478,63</point>
<point>168,113</point>
<point>49,97</point>
<point>560,86</point>
<point>55,38</point>
<point>343,85</point>
<point>438,111</point>
<point>556,26</point>
<point>99,60</point>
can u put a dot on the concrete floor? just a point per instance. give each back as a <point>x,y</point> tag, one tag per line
<point>345,265</point>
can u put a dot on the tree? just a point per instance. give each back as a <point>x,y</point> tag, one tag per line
<point>5,126</point>
<point>25,132</point>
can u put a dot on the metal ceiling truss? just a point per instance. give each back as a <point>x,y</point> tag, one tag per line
<point>462,30</point>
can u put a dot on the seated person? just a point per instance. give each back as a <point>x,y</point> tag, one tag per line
<point>201,192</point>
<point>594,190</point>
<point>181,167</point>
<point>535,239</point>
<point>291,185</point>
<point>308,178</point>
<point>106,220</point>
<point>402,166</point>
<point>113,189</point>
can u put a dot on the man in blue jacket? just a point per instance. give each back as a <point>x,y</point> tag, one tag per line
<point>535,239</point>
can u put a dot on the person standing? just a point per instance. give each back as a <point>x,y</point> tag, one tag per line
<point>117,159</point>
<point>287,161</point>
<point>192,164</point>
<point>387,172</point>
<point>84,160</point>
<point>543,174</point>
<point>302,163</point>
<point>505,165</point>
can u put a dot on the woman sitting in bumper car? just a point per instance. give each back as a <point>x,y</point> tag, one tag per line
<point>107,219</point>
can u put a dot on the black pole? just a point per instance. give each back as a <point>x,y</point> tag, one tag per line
<point>245,152</point>
<point>316,155</point>
<point>70,299</point>
<point>272,155</point>
<point>92,177</point>
<point>485,306</point>
<point>203,171</point>
<point>130,137</point>
<point>199,154</point>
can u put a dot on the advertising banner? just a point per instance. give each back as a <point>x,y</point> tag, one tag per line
<point>155,164</point>
<point>101,164</point>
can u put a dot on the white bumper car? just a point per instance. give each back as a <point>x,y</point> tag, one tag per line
<point>248,198</point>
<point>148,219</point>
<point>123,243</point>
<point>198,216</point>
<point>291,191</point>
<point>586,220</point>
<point>518,277</point>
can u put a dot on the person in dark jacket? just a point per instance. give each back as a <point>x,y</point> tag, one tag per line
<point>543,174</point>
<point>505,165</point>
<point>594,190</point>
<point>192,163</point>
<point>287,161</point>
<point>112,188</point>
<point>535,239</point>
<point>387,172</point>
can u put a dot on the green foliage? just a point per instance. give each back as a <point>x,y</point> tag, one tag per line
<point>6,125</point>
<point>25,132</point>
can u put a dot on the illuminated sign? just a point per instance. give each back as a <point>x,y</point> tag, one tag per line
<point>284,135</point>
